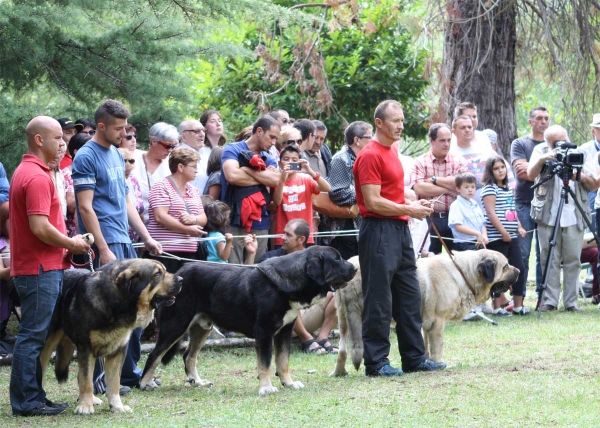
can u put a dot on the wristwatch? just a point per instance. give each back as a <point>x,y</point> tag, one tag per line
<point>434,179</point>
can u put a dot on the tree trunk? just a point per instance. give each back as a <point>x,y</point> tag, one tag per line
<point>479,64</point>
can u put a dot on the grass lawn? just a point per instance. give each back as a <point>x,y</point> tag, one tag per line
<point>524,372</point>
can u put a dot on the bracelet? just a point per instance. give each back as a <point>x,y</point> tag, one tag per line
<point>317,176</point>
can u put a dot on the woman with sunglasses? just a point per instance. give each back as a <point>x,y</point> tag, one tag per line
<point>288,135</point>
<point>135,193</point>
<point>129,141</point>
<point>153,165</point>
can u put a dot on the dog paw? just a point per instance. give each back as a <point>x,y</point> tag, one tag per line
<point>295,385</point>
<point>97,401</point>
<point>266,390</point>
<point>200,383</point>
<point>150,386</point>
<point>84,409</point>
<point>340,373</point>
<point>120,409</point>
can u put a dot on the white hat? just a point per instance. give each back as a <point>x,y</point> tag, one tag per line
<point>595,121</point>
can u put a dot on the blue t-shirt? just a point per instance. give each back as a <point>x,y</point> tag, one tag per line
<point>468,213</point>
<point>232,151</point>
<point>103,170</point>
<point>213,253</point>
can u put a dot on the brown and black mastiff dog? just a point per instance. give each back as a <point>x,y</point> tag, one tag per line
<point>444,297</point>
<point>259,301</point>
<point>97,313</point>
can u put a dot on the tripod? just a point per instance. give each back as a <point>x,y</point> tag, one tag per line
<point>565,175</point>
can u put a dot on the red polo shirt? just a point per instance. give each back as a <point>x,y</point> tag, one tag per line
<point>32,192</point>
<point>378,164</point>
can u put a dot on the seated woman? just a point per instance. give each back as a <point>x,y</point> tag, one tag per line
<point>176,215</point>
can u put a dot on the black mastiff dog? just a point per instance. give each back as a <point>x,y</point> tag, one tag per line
<point>259,301</point>
<point>97,313</point>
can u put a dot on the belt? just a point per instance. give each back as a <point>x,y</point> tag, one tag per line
<point>441,215</point>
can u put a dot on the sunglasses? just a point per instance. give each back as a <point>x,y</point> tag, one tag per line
<point>285,120</point>
<point>131,161</point>
<point>168,146</point>
<point>297,142</point>
<point>129,137</point>
<point>92,132</point>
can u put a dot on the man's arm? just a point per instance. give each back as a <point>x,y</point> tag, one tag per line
<point>238,176</point>
<point>590,183</point>
<point>90,221</point>
<point>536,164</point>
<point>521,166</point>
<point>269,177</point>
<point>42,228</point>
<point>138,226</point>
<point>377,204</point>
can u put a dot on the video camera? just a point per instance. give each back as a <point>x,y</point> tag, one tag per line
<point>569,160</point>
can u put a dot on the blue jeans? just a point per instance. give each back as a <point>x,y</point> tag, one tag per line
<point>38,294</point>
<point>523,213</point>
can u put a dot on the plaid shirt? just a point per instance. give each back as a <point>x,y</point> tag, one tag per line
<point>427,166</point>
<point>341,180</point>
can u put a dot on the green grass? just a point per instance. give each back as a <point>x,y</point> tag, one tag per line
<point>524,372</point>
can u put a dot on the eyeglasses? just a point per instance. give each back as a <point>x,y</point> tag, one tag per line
<point>195,131</point>
<point>91,133</point>
<point>194,167</point>
<point>168,146</point>
<point>131,161</point>
<point>284,120</point>
<point>128,137</point>
<point>365,136</point>
<point>298,142</point>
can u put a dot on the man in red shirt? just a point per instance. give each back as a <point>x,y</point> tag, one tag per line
<point>38,258</point>
<point>387,259</point>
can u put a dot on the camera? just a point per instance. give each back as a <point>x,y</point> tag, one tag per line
<point>568,155</point>
<point>295,166</point>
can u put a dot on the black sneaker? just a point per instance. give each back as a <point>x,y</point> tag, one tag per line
<point>428,365</point>
<point>50,403</point>
<point>124,390</point>
<point>386,371</point>
<point>42,410</point>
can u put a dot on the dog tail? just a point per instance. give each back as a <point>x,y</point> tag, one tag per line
<point>354,319</point>
<point>64,353</point>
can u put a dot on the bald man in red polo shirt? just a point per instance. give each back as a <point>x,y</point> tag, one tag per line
<point>387,259</point>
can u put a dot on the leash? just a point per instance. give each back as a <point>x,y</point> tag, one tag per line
<point>452,257</point>
<point>90,263</point>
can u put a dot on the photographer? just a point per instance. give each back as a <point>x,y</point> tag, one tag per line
<point>544,209</point>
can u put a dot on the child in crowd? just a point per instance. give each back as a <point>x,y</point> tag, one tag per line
<point>293,194</point>
<point>220,240</point>
<point>502,225</point>
<point>465,217</point>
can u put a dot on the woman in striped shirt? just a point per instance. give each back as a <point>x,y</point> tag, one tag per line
<point>176,214</point>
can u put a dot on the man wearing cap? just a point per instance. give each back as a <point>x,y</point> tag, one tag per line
<point>69,129</point>
<point>591,150</point>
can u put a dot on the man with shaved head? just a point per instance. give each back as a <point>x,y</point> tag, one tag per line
<point>38,258</point>
<point>544,210</point>
<point>192,137</point>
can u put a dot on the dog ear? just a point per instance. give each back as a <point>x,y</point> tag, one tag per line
<point>487,269</point>
<point>315,268</point>
<point>125,279</point>
<point>284,272</point>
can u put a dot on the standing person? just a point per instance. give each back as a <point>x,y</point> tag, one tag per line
<point>38,260</point>
<point>480,138</point>
<point>433,177</point>
<point>242,186</point>
<point>591,149</point>
<point>105,210</point>
<point>135,192</point>
<point>192,135</point>
<point>465,218</point>
<point>390,285</point>
<point>520,153</point>
<point>129,141</point>
<point>89,127</point>
<point>69,129</point>
<point>283,118</point>
<point>502,225</point>
<point>213,170</point>
<point>212,122</point>
<point>544,210</point>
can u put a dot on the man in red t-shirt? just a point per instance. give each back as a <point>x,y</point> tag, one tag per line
<point>38,258</point>
<point>387,259</point>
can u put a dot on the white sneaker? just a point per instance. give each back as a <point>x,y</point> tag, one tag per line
<point>471,316</point>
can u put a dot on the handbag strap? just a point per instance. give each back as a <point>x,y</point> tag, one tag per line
<point>179,193</point>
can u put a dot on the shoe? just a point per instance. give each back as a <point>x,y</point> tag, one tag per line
<point>572,309</point>
<point>486,309</point>
<point>49,403</point>
<point>330,349</point>
<point>386,371</point>
<point>124,390</point>
<point>524,311</point>
<point>548,308</point>
<point>428,365</point>
<point>42,410</point>
<point>501,312</point>
<point>316,350</point>
<point>595,300</point>
<point>471,316</point>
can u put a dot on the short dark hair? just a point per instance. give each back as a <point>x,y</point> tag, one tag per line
<point>301,227</point>
<point>265,123</point>
<point>85,122</point>
<point>381,109</point>
<point>130,128</point>
<point>319,126</point>
<point>461,107</point>
<point>433,130</point>
<point>214,160</point>
<point>110,110</point>
<point>355,129</point>
<point>290,148</point>
<point>538,108</point>
<point>488,171</point>
<point>306,128</point>
<point>76,142</point>
<point>464,177</point>
<point>457,118</point>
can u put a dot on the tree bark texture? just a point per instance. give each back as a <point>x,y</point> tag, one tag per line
<point>479,64</point>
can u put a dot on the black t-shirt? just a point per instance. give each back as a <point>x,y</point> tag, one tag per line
<point>522,148</point>
<point>270,254</point>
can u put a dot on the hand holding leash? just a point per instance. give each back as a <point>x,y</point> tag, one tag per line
<point>81,243</point>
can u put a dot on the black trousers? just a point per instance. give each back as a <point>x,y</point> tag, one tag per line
<point>390,290</point>
<point>346,245</point>
<point>442,226</point>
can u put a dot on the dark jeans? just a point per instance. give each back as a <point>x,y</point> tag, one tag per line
<point>38,294</point>
<point>465,246</point>
<point>442,226</point>
<point>390,290</point>
<point>131,373</point>
<point>523,213</point>
<point>512,251</point>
